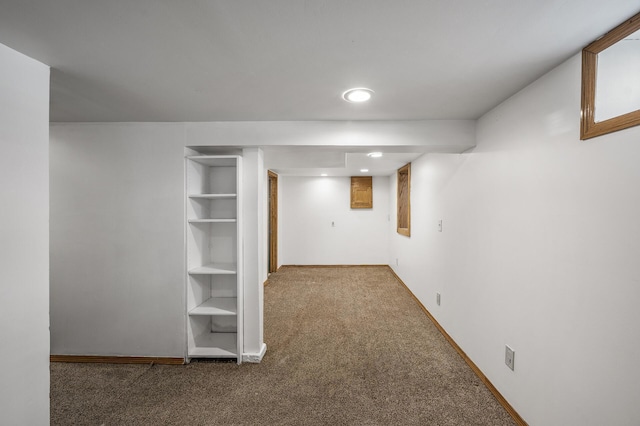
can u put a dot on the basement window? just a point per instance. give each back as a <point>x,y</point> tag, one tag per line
<point>403,201</point>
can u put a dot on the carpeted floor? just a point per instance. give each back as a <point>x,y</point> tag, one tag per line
<point>346,346</point>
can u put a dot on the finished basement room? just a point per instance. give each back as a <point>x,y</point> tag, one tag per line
<point>320,213</point>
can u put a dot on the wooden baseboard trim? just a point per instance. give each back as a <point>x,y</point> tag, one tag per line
<point>334,266</point>
<point>116,359</point>
<point>512,412</point>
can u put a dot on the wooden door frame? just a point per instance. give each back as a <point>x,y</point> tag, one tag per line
<point>273,221</point>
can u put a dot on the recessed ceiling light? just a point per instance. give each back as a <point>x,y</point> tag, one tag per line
<point>375,154</point>
<point>358,94</point>
<point>323,175</point>
<point>364,170</point>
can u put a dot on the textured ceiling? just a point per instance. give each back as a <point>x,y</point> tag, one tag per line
<point>219,60</point>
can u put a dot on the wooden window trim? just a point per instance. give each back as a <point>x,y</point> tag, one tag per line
<point>403,200</point>
<point>589,128</point>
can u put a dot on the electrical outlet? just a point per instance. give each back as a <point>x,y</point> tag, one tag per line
<point>438,299</point>
<point>440,225</point>
<point>509,357</point>
<point>396,261</point>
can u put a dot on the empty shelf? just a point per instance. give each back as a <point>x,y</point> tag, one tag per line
<point>213,196</point>
<point>215,345</point>
<point>213,220</point>
<point>217,306</point>
<point>214,160</point>
<point>214,269</point>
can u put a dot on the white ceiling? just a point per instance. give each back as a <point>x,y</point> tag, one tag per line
<point>254,60</point>
<point>334,160</point>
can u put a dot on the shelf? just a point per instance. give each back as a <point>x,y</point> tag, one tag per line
<point>214,160</point>
<point>213,220</point>
<point>214,255</point>
<point>217,306</point>
<point>215,345</point>
<point>214,196</point>
<point>214,269</point>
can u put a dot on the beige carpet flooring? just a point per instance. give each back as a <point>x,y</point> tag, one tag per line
<point>346,346</point>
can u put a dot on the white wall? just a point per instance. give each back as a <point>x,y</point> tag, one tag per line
<point>117,239</point>
<point>24,240</point>
<point>539,250</point>
<point>308,207</point>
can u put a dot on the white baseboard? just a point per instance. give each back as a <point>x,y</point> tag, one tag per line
<point>255,357</point>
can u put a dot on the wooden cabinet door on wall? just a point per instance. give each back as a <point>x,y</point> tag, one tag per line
<point>361,192</point>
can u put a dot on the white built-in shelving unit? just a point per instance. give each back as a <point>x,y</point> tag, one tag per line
<point>214,256</point>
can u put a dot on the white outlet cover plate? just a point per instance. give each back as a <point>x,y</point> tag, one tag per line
<point>509,357</point>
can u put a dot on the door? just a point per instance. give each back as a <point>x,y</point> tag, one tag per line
<point>273,222</point>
